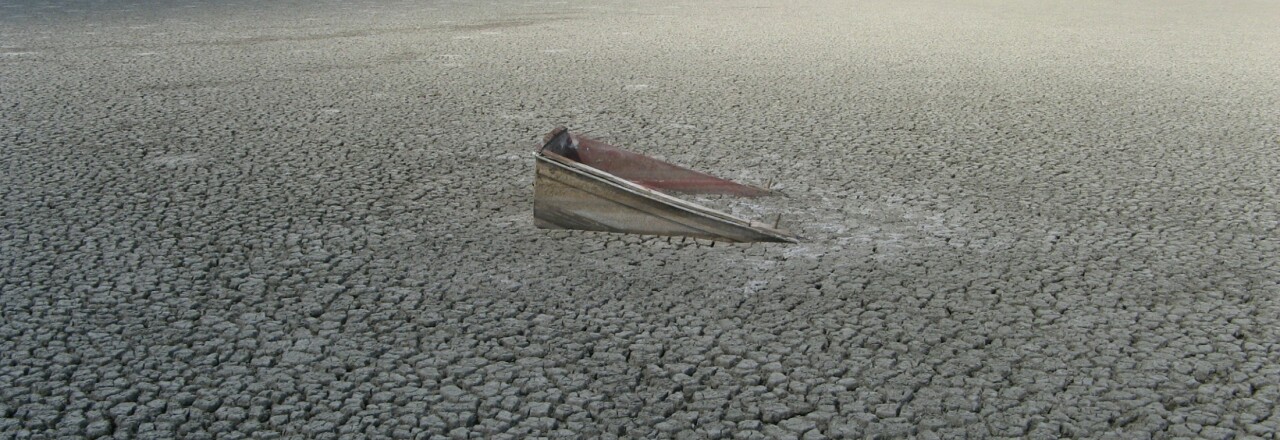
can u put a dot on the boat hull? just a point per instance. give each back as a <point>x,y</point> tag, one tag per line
<point>570,195</point>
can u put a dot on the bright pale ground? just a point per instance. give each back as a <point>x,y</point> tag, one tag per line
<point>1043,219</point>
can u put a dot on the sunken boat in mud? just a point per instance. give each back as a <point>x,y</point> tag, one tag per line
<point>588,185</point>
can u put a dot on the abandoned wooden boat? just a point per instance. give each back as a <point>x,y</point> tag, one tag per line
<point>588,185</point>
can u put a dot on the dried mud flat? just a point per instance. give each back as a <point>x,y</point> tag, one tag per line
<point>231,220</point>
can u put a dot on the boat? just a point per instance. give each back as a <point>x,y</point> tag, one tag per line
<point>584,184</point>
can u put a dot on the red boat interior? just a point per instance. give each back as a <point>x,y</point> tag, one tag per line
<point>640,169</point>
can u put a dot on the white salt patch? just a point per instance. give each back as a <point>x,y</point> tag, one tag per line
<point>144,54</point>
<point>834,228</point>
<point>330,110</point>
<point>754,286</point>
<point>554,50</point>
<point>635,87</point>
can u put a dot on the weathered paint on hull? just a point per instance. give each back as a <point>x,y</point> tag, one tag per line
<point>570,195</point>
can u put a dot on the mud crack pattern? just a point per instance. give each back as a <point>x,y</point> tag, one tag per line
<point>312,220</point>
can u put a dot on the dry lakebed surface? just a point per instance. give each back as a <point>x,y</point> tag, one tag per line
<point>312,219</point>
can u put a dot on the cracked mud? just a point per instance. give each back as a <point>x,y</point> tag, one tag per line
<point>244,220</point>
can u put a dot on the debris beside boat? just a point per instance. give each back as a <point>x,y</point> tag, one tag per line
<point>585,184</point>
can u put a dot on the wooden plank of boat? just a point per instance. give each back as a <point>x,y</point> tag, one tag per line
<point>569,194</point>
